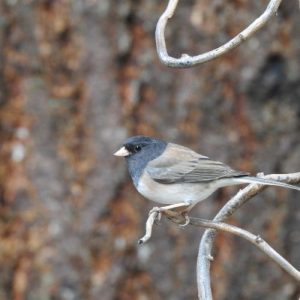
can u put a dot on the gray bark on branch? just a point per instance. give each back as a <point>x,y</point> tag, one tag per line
<point>207,240</point>
<point>185,60</point>
<point>204,254</point>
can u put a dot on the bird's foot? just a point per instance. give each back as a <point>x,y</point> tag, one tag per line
<point>170,211</point>
<point>187,220</point>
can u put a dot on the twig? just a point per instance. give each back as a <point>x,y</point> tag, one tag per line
<point>204,255</point>
<point>189,61</point>
<point>149,224</point>
<point>254,239</point>
<point>206,243</point>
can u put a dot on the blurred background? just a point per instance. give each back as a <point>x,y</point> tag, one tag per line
<point>76,79</point>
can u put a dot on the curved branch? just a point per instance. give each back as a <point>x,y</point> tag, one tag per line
<point>206,243</point>
<point>189,61</point>
<point>254,239</point>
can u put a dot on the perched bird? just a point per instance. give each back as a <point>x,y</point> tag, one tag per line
<point>177,176</point>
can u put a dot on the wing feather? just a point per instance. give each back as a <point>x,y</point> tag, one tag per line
<point>180,164</point>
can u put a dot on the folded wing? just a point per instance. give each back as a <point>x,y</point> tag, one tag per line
<point>180,164</point>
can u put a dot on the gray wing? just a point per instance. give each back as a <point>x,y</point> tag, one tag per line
<point>180,164</point>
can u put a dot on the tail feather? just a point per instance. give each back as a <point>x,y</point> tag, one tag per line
<point>265,181</point>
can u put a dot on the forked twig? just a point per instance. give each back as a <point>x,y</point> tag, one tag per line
<point>205,256</point>
<point>252,238</point>
<point>206,243</point>
<point>189,61</point>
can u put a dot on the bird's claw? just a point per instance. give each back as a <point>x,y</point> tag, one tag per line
<point>187,220</point>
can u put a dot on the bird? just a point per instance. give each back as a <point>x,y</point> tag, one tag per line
<point>177,176</point>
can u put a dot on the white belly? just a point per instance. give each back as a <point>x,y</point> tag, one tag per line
<point>190,193</point>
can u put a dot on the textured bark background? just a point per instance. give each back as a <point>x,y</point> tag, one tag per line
<point>78,77</point>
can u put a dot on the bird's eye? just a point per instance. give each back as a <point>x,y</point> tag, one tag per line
<point>137,148</point>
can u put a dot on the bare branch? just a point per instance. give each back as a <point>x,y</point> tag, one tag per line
<point>204,254</point>
<point>206,243</point>
<point>254,239</point>
<point>258,242</point>
<point>189,61</point>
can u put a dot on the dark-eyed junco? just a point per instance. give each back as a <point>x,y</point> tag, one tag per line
<point>177,176</point>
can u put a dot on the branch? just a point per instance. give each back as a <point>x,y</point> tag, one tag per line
<point>254,239</point>
<point>204,255</point>
<point>189,61</point>
<point>206,243</point>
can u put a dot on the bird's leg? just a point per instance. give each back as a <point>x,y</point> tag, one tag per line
<point>168,210</point>
<point>169,207</point>
<point>155,214</point>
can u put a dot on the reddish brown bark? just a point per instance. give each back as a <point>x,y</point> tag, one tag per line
<point>77,78</point>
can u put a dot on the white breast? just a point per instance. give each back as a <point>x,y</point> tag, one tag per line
<point>174,193</point>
